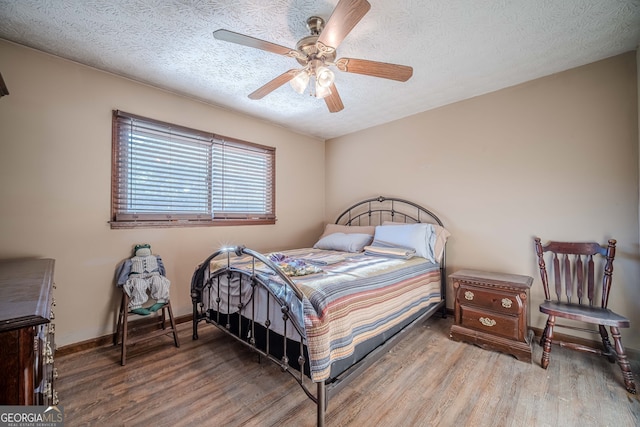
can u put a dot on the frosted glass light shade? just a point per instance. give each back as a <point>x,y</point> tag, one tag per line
<point>322,91</point>
<point>300,81</point>
<point>324,76</point>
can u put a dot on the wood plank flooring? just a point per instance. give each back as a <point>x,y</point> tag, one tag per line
<point>426,380</point>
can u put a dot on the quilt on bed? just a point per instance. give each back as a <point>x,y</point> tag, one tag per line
<point>352,298</point>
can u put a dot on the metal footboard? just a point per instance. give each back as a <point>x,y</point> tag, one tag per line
<point>244,328</point>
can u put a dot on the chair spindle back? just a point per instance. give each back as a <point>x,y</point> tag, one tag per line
<point>574,260</point>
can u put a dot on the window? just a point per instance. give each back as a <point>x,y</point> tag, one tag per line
<point>165,175</point>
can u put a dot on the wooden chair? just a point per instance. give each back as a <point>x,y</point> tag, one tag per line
<point>576,298</point>
<point>123,332</point>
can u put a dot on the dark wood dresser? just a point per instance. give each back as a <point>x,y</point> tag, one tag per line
<point>491,311</point>
<point>26,333</point>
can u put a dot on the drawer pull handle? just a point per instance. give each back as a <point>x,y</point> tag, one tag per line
<point>507,303</point>
<point>48,391</point>
<point>47,350</point>
<point>487,322</point>
<point>468,295</point>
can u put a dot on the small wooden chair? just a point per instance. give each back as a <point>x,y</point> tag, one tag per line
<point>122,330</point>
<point>575,302</point>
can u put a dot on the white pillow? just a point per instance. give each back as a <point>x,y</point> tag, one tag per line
<point>348,229</point>
<point>438,238</point>
<point>441,236</point>
<point>419,237</point>
<point>352,242</point>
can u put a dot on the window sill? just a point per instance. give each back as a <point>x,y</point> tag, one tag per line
<point>186,223</point>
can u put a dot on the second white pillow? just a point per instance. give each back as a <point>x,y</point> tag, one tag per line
<point>413,236</point>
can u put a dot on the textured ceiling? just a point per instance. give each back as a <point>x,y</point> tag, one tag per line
<point>457,48</point>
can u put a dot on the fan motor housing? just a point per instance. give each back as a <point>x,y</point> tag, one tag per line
<point>307,45</point>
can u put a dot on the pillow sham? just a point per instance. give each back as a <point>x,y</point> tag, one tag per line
<point>438,238</point>
<point>353,242</point>
<point>442,234</point>
<point>348,229</point>
<point>413,236</point>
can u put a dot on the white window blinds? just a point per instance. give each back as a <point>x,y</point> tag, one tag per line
<point>174,175</point>
<point>242,181</point>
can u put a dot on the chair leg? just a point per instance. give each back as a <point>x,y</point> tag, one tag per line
<point>173,324</point>
<point>543,336</point>
<point>125,331</point>
<point>548,337</point>
<point>608,348</point>
<point>627,375</point>
<point>121,313</point>
<point>163,317</point>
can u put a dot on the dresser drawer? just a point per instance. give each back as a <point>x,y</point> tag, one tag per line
<point>26,341</point>
<point>490,298</point>
<point>493,323</point>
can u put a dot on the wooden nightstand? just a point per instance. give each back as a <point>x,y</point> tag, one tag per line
<point>491,311</point>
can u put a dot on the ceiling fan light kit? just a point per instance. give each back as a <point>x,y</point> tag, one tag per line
<point>323,76</point>
<point>317,52</point>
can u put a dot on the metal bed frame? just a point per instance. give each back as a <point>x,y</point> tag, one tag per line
<point>288,354</point>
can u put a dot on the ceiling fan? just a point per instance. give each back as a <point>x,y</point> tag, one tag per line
<point>317,52</point>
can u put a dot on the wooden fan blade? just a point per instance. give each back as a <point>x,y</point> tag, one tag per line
<point>333,101</point>
<point>230,36</point>
<point>401,73</point>
<point>273,84</point>
<point>342,20</point>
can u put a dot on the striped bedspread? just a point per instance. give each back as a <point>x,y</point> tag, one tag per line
<point>358,297</point>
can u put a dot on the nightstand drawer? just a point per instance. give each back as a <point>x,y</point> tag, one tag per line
<point>493,323</point>
<point>491,311</point>
<point>493,299</point>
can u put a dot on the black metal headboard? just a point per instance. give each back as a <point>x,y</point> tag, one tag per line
<point>380,209</point>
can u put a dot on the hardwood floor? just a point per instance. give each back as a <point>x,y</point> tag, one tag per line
<point>425,380</point>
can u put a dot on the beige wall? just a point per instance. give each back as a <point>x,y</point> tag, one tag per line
<point>556,157</point>
<point>490,167</point>
<point>55,172</point>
